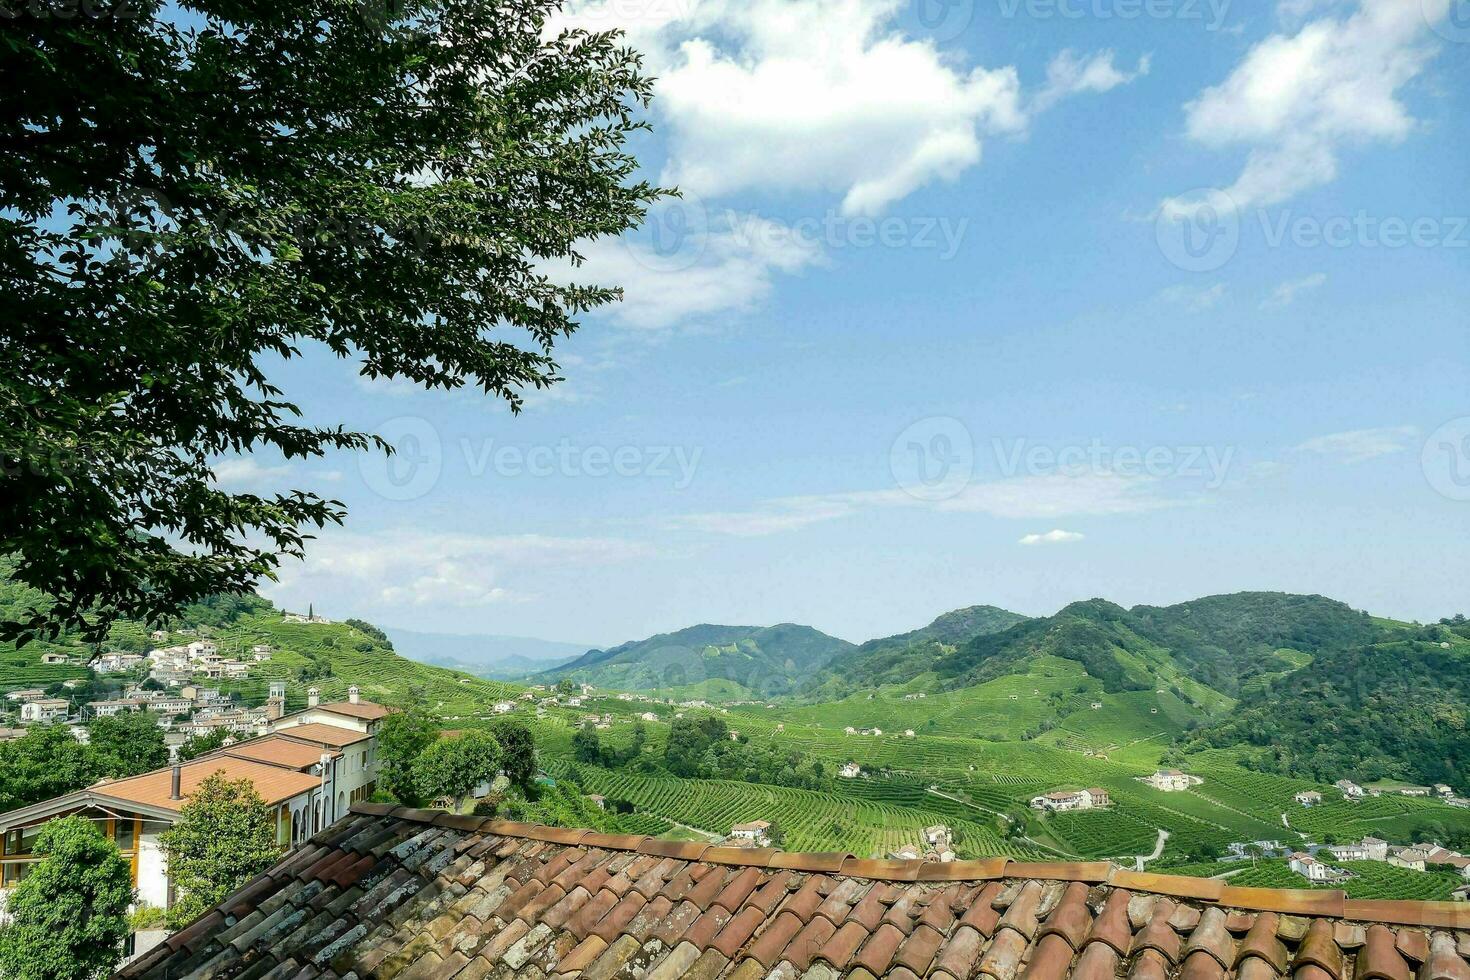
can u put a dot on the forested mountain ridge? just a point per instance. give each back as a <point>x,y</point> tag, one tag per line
<point>733,660</point>
<point>1398,710</point>
<point>898,659</point>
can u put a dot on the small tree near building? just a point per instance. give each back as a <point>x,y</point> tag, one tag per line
<point>198,745</point>
<point>402,737</point>
<point>453,767</point>
<point>69,916</point>
<point>518,752</point>
<point>128,744</point>
<point>225,836</point>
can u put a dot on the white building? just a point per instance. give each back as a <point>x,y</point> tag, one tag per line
<point>1172,780</point>
<point>1412,858</point>
<point>1310,868</point>
<point>1348,852</point>
<point>1376,849</point>
<point>504,707</point>
<point>1350,789</point>
<point>1081,799</point>
<point>850,771</point>
<point>756,831</point>
<point>1309,798</point>
<point>43,710</point>
<point>309,773</point>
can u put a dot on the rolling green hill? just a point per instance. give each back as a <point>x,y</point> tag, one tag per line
<point>329,656</point>
<point>745,661</point>
<point>1398,709</point>
<point>901,658</point>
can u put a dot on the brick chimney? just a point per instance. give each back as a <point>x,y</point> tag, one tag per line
<point>274,708</point>
<point>353,694</point>
<point>313,697</point>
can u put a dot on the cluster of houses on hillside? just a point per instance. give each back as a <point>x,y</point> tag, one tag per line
<point>309,767</point>
<point>202,658</point>
<point>1313,863</point>
<point>1351,792</point>
<point>937,845</point>
<point>191,710</point>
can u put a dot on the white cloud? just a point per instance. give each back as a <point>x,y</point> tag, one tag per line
<point>406,568</point>
<point>1361,445</point>
<point>723,266</point>
<point>820,95</point>
<point>245,473</point>
<point>1296,100</point>
<point>1070,74</point>
<point>1194,299</point>
<point>1286,293</point>
<point>1052,537</point>
<point>1029,497</point>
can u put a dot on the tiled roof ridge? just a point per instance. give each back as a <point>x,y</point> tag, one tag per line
<point>1305,902</point>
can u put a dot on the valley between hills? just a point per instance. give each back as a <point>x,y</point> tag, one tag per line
<point>965,722</point>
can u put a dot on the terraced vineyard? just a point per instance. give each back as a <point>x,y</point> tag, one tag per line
<point>812,821</point>
<point>1370,879</point>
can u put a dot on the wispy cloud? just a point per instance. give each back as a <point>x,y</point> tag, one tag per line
<point>404,568</point>
<point>1070,74</point>
<point>1286,293</point>
<point>245,473</point>
<point>1027,497</point>
<point>1195,299</point>
<point>1360,445</point>
<point>1057,536</point>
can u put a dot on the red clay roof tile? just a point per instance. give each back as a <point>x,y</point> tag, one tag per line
<point>414,893</point>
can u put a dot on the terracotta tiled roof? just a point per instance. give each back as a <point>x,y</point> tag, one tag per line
<point>365,710</point>
<point>414,895</point>
<point>279,751</point>
<point>324,734</point>
<point>273,783</point>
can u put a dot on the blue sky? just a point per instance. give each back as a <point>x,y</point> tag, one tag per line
<point>1012,301</point>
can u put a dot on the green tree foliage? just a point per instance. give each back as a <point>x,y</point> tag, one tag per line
<point>186,201</point>
<point>128,744</point>
<point>586,745</point>
<point>453,767</point>
<point>197,745</point>
<point>402,738</point>
<point>518,751</point>
<point>225,836</point>
<point>702,748</point>
<point>70,914</point>
<point>46,762</point>
<point>1396,710</point>
<point>363,626</point>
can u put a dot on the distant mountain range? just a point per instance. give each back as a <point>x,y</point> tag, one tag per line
<point>498,657</point>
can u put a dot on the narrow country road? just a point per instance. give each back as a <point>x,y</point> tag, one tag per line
<point>1142,860</point>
